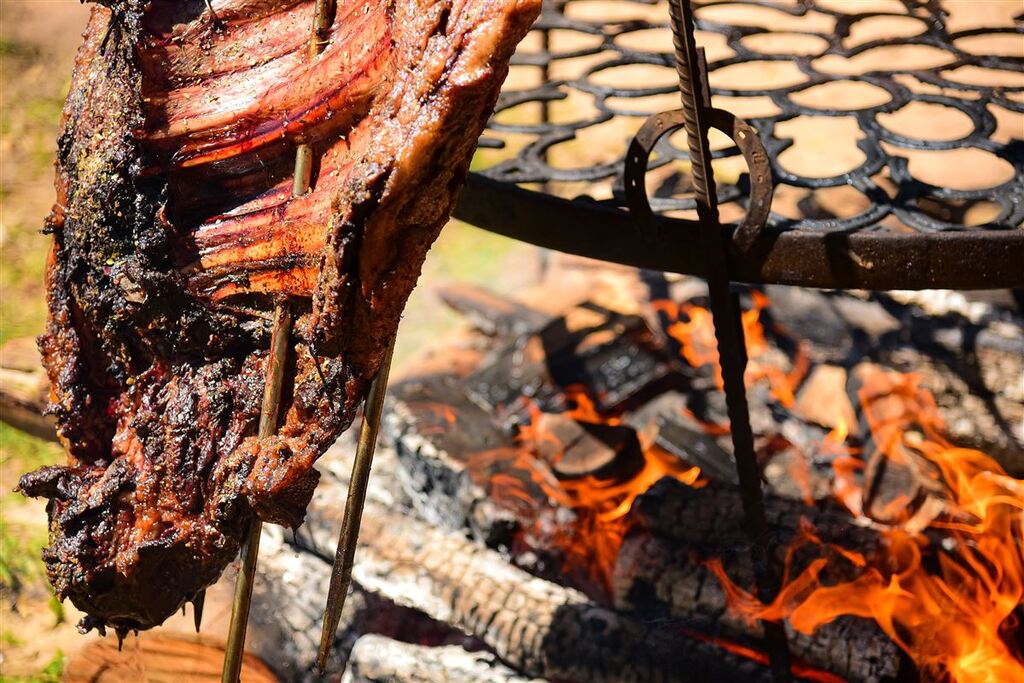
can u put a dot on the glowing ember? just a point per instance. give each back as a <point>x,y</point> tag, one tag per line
<point>694,329</point>
<point>957,622</point>
<point>591,542</point>
<point>949,604</point>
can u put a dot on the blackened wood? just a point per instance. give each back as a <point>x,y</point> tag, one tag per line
<point>491,313</point>
<point>689,443</point>
<point>576,448</point>
<point>706,518</point>
<point>656,578</point>
<point>615,356</point>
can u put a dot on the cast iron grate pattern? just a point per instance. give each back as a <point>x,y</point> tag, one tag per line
<point>598,66</point>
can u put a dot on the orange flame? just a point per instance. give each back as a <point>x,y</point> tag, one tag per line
<point>955,623</point>
<point>954,615</point>
<point>591,543</point>
<point>694,329</point>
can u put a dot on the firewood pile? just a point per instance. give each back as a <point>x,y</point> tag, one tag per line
<point>554,485</point>
<point>555,497</point>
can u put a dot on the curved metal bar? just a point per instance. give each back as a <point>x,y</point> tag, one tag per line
<point>747,140</point>
<point>852,259</point>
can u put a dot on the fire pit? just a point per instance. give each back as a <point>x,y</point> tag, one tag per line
<point>582,492</point>
<point>587,444</point>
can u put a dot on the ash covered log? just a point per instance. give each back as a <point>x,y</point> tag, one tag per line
<point>540,628</point>
<point>287,610</point>
<point>378,659</point>
<point>436,428</point>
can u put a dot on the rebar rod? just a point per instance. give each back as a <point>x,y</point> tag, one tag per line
<point>344,558</point>
<point>279,343</point>
<point>696,99</point>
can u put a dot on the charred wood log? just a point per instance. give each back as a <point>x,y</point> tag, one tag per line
<point>658,578</point>
<point>661,571</point>
<point>616,356</point>
<point>540,628</point>
<point>378,659</point>
<point>711,517</point>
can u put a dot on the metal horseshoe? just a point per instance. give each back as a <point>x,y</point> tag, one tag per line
<point>746,138</point>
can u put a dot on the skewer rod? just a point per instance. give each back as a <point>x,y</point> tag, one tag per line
<point>695,93</point>
<point>250,549</point>
<point>341,575</point>
<point>323,18</point>
<point>303,169</point>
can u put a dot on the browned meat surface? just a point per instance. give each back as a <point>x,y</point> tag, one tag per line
<point>175,232</point>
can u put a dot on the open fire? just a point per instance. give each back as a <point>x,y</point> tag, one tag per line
<point>955,614</point>
<point>946,581</point>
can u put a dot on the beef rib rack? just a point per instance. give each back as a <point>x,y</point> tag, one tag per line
<point>175,233</point>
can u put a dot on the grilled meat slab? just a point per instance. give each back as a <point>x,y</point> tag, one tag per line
<point>175,232</point>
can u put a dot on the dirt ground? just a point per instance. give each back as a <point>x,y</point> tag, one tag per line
<point>38,39</point>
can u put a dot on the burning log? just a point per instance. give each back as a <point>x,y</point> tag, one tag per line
<point>659,578</point>
<point>614,354</point>
<point>711,517</point>
<point>573,448</point>
<point>542,629</point>
<point>661,570</point>
<point>377,659</point>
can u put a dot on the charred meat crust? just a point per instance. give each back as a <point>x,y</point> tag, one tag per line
<point>174,233</point>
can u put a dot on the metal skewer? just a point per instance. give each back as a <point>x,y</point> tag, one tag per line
<point>341,572</point>
<point>323,18</point>
<point>251,548</point>
<point>695,93</point>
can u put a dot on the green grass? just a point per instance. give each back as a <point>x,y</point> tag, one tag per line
<point>29,125</point>
<point>20,546</point>
<point>22,452</point>
<point>23,303</point>
<point>461,254</point>
<point>51,673</point>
